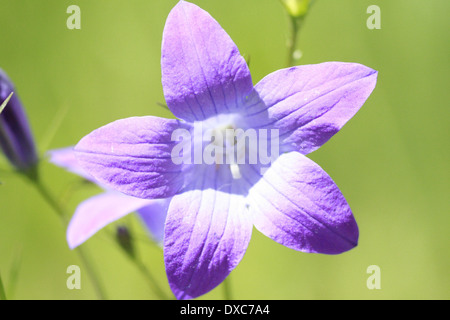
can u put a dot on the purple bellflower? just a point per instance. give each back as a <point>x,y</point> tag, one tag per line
<point>16,139</point>
<point>95,213</point>
<point>214,206</point>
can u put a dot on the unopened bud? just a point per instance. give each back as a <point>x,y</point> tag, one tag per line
<point>296,8</point>
<point>125,240</point>
<point>16,139</point>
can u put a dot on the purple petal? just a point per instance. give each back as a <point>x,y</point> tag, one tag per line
<point>65,158</point>
<point>203,73</point>
<point>154,217</point>
<point>309,104</point>
<point>297,204</point>
<point>97,212</point>
<point>207,233</point>
<point>133,156</point>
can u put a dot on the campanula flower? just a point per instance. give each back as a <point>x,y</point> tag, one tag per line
<point>16,139</point>
<point>214,206</point>
<point>94,213</point>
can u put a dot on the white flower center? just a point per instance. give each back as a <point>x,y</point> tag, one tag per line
<point>220,140</point>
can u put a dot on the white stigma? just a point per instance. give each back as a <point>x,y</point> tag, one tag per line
<point>235,172</point>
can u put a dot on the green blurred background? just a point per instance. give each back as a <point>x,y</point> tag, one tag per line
<point>391,160</point>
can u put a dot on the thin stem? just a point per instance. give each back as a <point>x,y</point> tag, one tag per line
<point>33,176</point>
<point>292,42</point>
<point>126,243</point>
<point>151,280</point>
<point>92,273</point>
<point>2,290</point>
<point>71,188</point>
<point>53,127</point>
<point>227,289</point>
<point>14,273</point>
<point>163,105</point>
<point>45,194</point>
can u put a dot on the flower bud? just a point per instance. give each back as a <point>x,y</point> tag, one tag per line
<point>125,240</point>
<point>16,139</point>
<point>296,8</point>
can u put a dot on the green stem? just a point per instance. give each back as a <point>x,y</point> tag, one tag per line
<point>92,273</point>
<point>45,194</point>
<point>2,290</point>
<point>292,42</point>
<point>126,243</point>
<point>227,288</point>
<point>14,273</point>
<point>34,177</point>
<point>151,280</point>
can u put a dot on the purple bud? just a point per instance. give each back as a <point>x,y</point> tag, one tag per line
<point>16,139</point>
<point>125,240</point>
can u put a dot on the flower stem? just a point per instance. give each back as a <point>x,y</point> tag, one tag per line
<point>2,290</point>
<point>126,243</point>
<point>227,289</point>
<point>34,178</point>
<point>151,280</point>
<point>45,194</point>
<point>293,41</point>
<point>92,273</point>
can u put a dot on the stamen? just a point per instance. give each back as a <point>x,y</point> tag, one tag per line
<point>235,171</point>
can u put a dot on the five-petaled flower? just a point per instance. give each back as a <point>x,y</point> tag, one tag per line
<point>212,210</point>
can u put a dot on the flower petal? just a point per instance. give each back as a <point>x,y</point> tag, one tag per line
<point>207,233</point>
<point>97,212</point>
<point>133,156</point>
<point>154,217</point>
<point>309,104</point>
<point>297,204</point>
<point>203,73</point>
<point>65,158</point>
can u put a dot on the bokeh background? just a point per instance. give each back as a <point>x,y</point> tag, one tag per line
<point>391,160</point>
